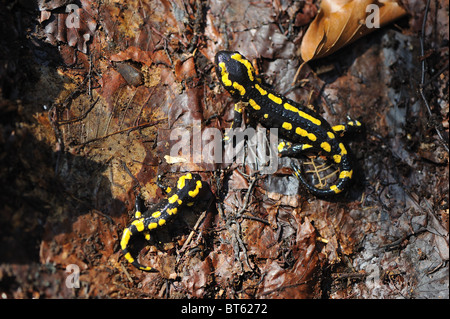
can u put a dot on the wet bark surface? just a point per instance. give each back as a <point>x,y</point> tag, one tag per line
<point>88,111</point>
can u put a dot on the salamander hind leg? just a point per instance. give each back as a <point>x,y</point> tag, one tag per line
<point>289,149</point>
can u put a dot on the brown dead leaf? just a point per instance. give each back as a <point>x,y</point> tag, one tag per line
<point>184,69</point>
<point>134,54</point>
<point>340,22</point>
<point>196,276</point>
<point>307,13</point>
<point>296,281</point>
<point>52,4</point>
<point>65,242</point>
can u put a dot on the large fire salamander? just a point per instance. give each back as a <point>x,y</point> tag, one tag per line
<point>302,128</point>
<point>190,191</point>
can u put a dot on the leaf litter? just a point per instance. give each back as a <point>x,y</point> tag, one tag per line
<point>100,103</point>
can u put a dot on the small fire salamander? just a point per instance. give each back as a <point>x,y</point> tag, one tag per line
<point>302,128</point>
<point>190,191</point>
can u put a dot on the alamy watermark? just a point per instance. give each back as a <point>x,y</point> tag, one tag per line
<point>73,19</point>
<point>256,147</point>
<point>373,17</point>
<point>73,279</point>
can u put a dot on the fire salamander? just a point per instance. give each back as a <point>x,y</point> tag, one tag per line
<point>302,128</point>
<point>190,191</point>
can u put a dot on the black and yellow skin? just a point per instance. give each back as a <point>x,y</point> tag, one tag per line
<point>304,129</point>
<point>190,190</point>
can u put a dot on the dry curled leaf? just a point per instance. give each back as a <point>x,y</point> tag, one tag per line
<point>340,22</point>
<point>76,26</point>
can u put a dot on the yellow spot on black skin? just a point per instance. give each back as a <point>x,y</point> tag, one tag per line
<point>225,80</point>
<point>182,181</point>
<point>260,89</point>
<point>326,146</point>
<point>343,149</point>
<point>310,118</point>
<point>194,192</point>
<point>129,258</point>
<point>291,108</point>
<point>248,65</point>
<point>287,126</point>
<point>139,224</point>
<point>304,133</point>
<point>172,211</point>
<point>339,128</point>
<point>274,98</point>
<point>156,214</point>
<point>254,105</point>
<point>337,158</point>
<point>335,189</point>
<point>125,238</point>
<point>354,123</point>
<point>281,146</point>
<point>306,116</point>
<point>174,199</point>
<point>345,174</point>
<point>239,87</point>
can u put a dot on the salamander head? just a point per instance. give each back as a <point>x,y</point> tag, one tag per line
<point>235,72</point>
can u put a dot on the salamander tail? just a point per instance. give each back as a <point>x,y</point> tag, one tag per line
<point>340,186</point>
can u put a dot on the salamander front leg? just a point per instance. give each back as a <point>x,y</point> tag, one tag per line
<point>237,120</point>
<point>293,150</point>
